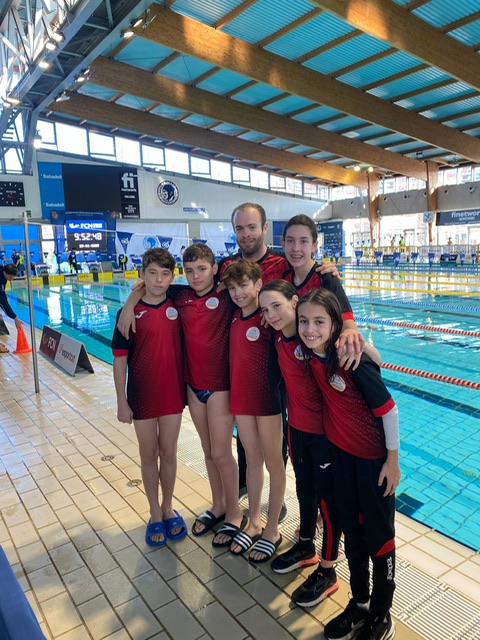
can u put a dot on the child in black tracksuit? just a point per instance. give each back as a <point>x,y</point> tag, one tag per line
<point>361,423</point>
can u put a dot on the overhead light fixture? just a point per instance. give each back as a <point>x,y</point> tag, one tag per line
<point>62,97</point>
<point>44,64</point>
<point>14,101</point>
<point>370,169</point>
<point>37,141</point>
<point>83,75</point>
<point>137,22</point>
<point>51,45</point>
<point>58,36</point>
<point>127,33</point>
<point>356,167</point>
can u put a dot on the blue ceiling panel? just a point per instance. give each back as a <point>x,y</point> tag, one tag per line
<point>441,12</point>
<point>257,93</point>
<point>316,115</point>
<point>143,54</point>
<point>96,91</point>
<point>302,149</point>
<point>469,35</point>
<point>207,11</point>
<point>397,62</point>
<point>277,143</point>
<point>198,120</point>
<point>342,123</point>
<point>372,130</point>
<point>223,82</point>
<point>252,136</point>
<point>406,147</point>
<point>341,161</point>
<point>168,112</point>
<point>465,121</point>
<point>388,140</point>
<point>474,132</point>
<point>450,109</point>
<point>309,36</point>
<point>414,81</point>
<point>264,18</point>
<point>348,53</point>
<point>134,102</point>
<point>185,69</point>
<point>321,155</point>
<point>287,105</point>
<point>456,89</point>
<point>228,129</point>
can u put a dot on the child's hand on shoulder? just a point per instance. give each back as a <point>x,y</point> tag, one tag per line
<point>124,413</point>
<point>350,345</point>
<point>390,472</point>
<point>328,267</point>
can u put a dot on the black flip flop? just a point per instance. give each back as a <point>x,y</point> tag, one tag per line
<point>230,530</point>
<point>209,520</point>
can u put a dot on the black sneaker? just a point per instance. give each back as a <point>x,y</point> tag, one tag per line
<point>294,558</point>
<point>375,628</point>
<point>316,588</point>
<point>345,625</point>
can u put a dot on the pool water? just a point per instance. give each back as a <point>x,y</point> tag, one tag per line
<point>439,421</point>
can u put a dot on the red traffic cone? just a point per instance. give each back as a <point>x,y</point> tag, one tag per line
<point>22,343</point>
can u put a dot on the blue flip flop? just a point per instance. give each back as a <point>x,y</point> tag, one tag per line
<point>153,529</point>
<point>174,523</point>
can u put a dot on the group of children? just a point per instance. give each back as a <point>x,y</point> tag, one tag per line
<point>232,346</point>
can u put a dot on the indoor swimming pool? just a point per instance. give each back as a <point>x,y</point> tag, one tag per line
<point>428,373</point>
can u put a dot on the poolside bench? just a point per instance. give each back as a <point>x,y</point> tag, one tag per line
<point>17,620</point>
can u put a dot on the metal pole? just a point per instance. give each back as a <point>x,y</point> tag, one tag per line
<point>30,303</point>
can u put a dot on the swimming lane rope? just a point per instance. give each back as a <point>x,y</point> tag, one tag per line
<point>420,327</point>
<point>431,376</point>
<point>429,306</point>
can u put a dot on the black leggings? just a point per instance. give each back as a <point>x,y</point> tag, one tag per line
<point>310,455</point>
<point>367,519</point>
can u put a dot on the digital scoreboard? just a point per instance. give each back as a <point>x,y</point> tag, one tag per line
<point>86,235</point>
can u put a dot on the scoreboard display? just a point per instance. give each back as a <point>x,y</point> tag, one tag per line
<point>86,235</point>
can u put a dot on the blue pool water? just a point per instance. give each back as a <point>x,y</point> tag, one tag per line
<point>440,422</point>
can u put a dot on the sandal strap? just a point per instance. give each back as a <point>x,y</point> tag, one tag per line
<point>243,540</point>
<point>265,546</point>
<point>228,528</point>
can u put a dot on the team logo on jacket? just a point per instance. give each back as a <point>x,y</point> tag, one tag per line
<point>298,353</point>
<point>212,303</point>
<point>337,383</point>
<point>253,333</point>
<point>139,315</point>
<point>172,313</point>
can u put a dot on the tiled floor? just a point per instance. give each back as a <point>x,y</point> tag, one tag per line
<point>73,524</point>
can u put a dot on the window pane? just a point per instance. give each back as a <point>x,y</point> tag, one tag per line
<point>12,161</point>
<point>200,166</point>
<point>389,185</point>
<point>221,171</point>
<point>293,186</point>
<point>450,176</point>
<point>310,190</point>
<point>128,151</point>
<point>241,175</point>
<point>277,183</point>
<point>464,175</point>
<point>153,157</point>
<point>101,145</point>
<point>47,232</point>
<point>71,139</point>
<point>259,179</point>
<point>177,161</point>
<point>401,183</point>
<point>476,174</point>
<point>47,131</point>
<point>324,193</point>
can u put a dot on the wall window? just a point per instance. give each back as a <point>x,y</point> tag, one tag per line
<point>72,139</point>
<point>48,132</point>
<point>128,151</point>
<point>294,186</point>
<point>277,183</point>
<point>101,146</point>
<point>176,161</point>
<point>259,179</point>
<point>221,171</point>
<point>241,175</point>
<point>153,157</point>
<point>200,166</point>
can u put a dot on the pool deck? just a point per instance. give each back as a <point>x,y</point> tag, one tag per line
<point>73,530</point>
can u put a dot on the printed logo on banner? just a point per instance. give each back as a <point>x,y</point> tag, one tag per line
<point>149,242</point>
<point>167,192</point>
<point>129,197</point>
<point>165,242</point>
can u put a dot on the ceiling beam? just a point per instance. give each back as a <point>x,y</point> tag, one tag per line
<point>121,77</point>
<point>391,23</point>
<point>190,37</point>
<point>140,122</point>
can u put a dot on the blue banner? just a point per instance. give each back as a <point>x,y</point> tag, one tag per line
<point>230,247</point>
<point>124,238</point>
<point>470,216</point>
<point>50,179</point>
<point>165,242</point>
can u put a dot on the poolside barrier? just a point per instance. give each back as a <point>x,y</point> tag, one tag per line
<point>420,327</point>
<point>431,376</point>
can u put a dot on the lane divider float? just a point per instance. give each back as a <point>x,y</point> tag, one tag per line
<point>420,327</point>
<point>431,376</point>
